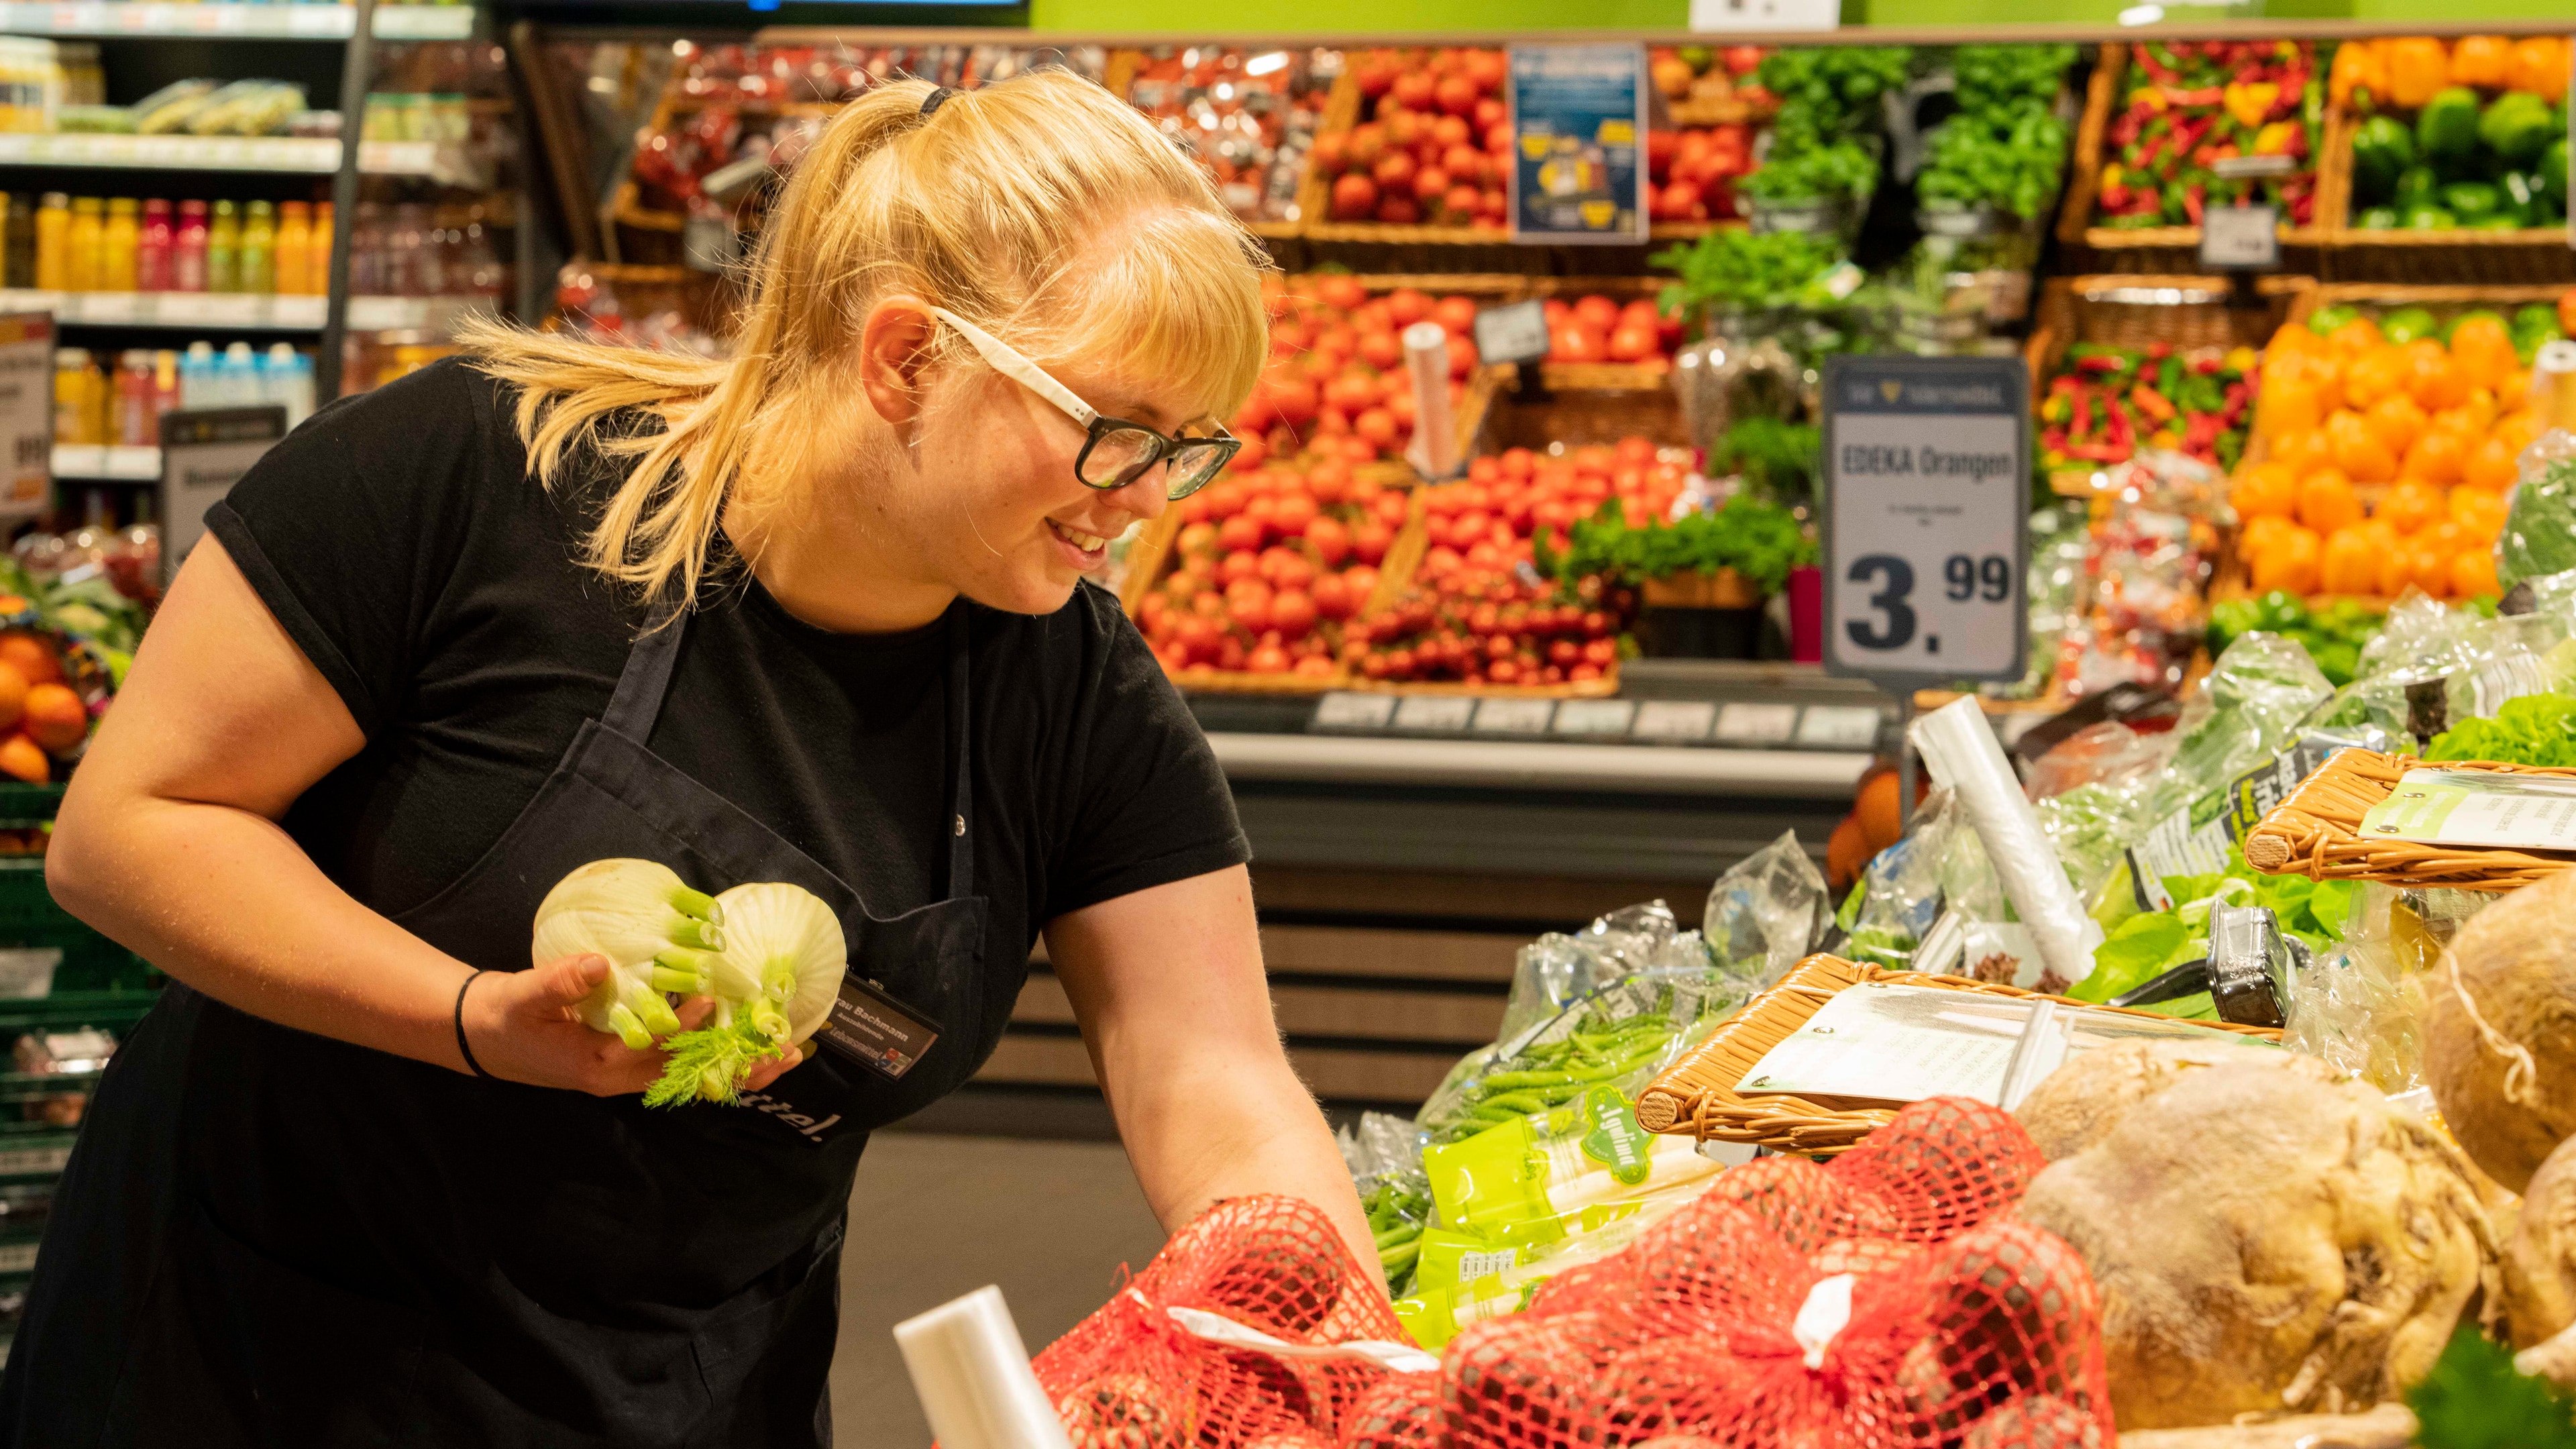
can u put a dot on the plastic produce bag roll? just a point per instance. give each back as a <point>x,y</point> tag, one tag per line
<point>1961,751</point>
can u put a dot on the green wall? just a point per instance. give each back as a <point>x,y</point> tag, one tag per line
<point>1293,17</point>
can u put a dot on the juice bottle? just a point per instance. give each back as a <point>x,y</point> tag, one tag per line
<point>117,245</point>
<point>197,384</point>
<point>259,248</point>
<point>88,237</point>
<point>317,267</point>
<point>18,257</point>
<point>295,249</point>
<point>54,242</point>
<point>223,249</point>
<point>75,398</point>
<point>136,423</point>
<point>165,387</point>
<point>188,249</point>
<point>152,247</point>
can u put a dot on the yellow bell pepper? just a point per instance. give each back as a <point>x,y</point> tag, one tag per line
<point>2274,139</point>
<point>2111,175</point>
<point>2418,68</point>
<point>2539,65</point>
<point>2250,102</point>
<point>2240,359</point>
<point>2479,60</point>
<point>2357,66</point>
<point>2151,97</point>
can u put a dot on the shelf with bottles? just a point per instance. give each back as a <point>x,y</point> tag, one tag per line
<point>240,311</point>
<point>283,21</point>
<point>108,409</point>
<point>288,155</point>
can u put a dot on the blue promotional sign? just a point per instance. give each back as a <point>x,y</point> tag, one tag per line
<point>1927,478</point>
<point>1578,143</point>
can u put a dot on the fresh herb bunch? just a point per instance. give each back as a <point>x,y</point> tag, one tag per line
<point>1776,459</point>
<point>1996,77</point>
<point>1742,270</point>
<point>2146,945</point>
<point>2333,635</point>
<point>2005,148</point>
<point>1804,165</point>
<point>1833,86</point>
<point>1760,540</point>
<point>2536,729</point>
<point>2476,1399</point>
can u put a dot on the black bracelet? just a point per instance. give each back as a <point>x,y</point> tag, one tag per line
<point>462,1049</point>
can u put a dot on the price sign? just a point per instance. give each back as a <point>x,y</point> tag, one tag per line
<point>1345,709</point>
<point>27,412</point>
<point>203,453</point>
<point>1756,724</point>
<point>1435,713</point>
<point>1578,126</point>
<point>1927,466</point>
<point>1765,15</point>
<point>1595,716</point>
<point>1514,716</point>
<point>1514,332</point>
<point>2240,239</point>
<point>1679,720</point>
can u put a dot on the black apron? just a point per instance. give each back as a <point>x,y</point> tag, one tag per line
<point>316,1244</point>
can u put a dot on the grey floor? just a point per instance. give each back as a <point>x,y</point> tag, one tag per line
<point>933,1217</point>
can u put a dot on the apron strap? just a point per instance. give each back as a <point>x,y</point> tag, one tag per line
<point>641,685</point>
<point>961,850</point>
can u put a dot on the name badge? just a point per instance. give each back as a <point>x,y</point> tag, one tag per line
<point>868,1026</point>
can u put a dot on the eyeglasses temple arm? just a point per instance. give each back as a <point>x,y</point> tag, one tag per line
<point>1008,361</point>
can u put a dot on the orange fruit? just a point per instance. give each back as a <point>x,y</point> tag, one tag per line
<point>2290,403</point>
<point>2292,339</point>
<point>2355,335</point>
<point>2303,452</point>
<point>2290,563</point>
<point>2351,562</point>
<point>2441,535</point>
<point>22,759</point>
<point>2427,568</point>
<point>1876,810</point>
<point>2479,514</point>
<point>2326,500</point>
<point>2484,350</point>
<point>2490,466</point>
<point>2412,504</point>
<point>2437,456</point>
<point>2436,381</point>
<point>2265,488</point>
<point>55,717</point>
<point>2473,572</point>
<point>2514,391</point>
<point>2261,532</point>
<point>2519,430</point>
<point>2375,374</point>
<point>2358,451</point>
<point>2396,420</point>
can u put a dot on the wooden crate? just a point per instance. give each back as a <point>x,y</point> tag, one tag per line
<point>2154,249</point>
<point>2527,256</point>
<point>1603,376</point>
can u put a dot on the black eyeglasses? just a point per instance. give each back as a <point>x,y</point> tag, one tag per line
<point>1115,452</point>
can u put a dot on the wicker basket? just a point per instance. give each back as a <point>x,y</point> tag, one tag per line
<point>1697,1095</point>
<point>2150,249</point>
<point>2527,256</point>
<point>1603,376</point>
<point>2441,300</point>
<point>2315,832</point>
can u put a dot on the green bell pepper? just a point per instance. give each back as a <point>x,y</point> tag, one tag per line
<point>2552,172</point>
<point>2379,218</point>
<point>2416,186</point>
<point>2517,126</point>
<point>2446,130</point>
<point>2406,324</point>
<point>2522,200</point>
<point>2325,320</point>
<point>2470,200</point>
<point>2382,149</point>
<point>2431,218</point>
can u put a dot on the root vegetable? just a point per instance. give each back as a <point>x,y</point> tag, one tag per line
<point>2042,1421</point>
<point>1124,1411</point>
<point>655,932</point>
<point>2540,1255</point>
<point>1673,1385</point>
<point>2263,1240</point>
<point>1509,1382</point>
<point>2500,1032</point>
<point>2389,1426</point>
<point>1402,1413</point>
<point>2553,1359</point>
<point>2082,1101</point>
<point>780,965</point>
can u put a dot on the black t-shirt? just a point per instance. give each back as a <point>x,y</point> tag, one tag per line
<point>401,543</point>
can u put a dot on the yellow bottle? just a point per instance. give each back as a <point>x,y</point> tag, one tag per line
<point>295,250</point>
<point>117,242</point>
<point>53,242</point>
<point>74,406</point>
<point>88,238</point>
<point>317,261</point>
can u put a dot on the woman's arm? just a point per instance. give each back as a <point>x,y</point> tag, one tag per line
<point>1175,1009</point>
<point>168,842</point>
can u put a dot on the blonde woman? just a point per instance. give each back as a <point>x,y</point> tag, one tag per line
<point>814,614</point>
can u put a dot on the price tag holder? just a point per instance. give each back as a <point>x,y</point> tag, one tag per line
<point>27,412</point>
<point>1927,473</point>
<point>1445,714</point>
<point>2240,239</point>
<point>1578,127</point>
<point>1675,721</point>
<point>1756,724</point>
<point>1839,727</point>
<point>1595,716</point>
<point>1514,332</point>
<point>1765,15</point>
<point>1346,709</point>
<point>1514,716</point>
<point>203,453</point>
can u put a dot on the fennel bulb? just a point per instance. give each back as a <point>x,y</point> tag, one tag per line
<point>657,934</point>
<point>773,982</point>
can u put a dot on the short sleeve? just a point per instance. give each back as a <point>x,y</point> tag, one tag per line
<point>349,528</point>
<point>1152,804</point>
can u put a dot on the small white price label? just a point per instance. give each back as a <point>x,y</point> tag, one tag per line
<point>1437,713</point>
<point>2240,239</point>
<point>1595,716</point>
<point>1675,719</point>
<point>1513,332</point>
<point>1839,727</point>
<point>1346,709</point>
<point>1757,724</point>
<point>1514,716</point>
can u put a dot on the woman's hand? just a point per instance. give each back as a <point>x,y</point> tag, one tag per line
<point>522,1028</point>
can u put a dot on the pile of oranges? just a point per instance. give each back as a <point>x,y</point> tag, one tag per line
<point>2385,464</point>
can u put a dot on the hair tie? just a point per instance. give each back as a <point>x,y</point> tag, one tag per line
<point>938,97</point>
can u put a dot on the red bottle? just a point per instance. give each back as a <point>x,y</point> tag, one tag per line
<point>188,249</point>
<point>153,248</point>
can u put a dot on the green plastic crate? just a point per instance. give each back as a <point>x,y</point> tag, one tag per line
<point>30,918</point>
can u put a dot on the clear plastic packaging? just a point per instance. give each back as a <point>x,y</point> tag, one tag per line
<point>1767,912</point>
<point>1899,896</point>
<point>1960,749</point>
<point>2540,529</point>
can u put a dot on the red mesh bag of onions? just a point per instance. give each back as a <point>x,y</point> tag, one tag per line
<point>1153,1369</point>
<point>1889,1300</point>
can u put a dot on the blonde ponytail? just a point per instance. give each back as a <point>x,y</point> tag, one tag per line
<point>1041,208</point>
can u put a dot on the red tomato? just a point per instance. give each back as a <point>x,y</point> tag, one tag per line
<point>1399,211</point>
<point>1292,613</point>
<point>1633,344</point>
<point>1238,535</point>
<point>1519,463</point>
<point>1293,514</point>
<point>1636,452</point>
<point>1370,541</point>
<point>1339,292</point>
<point>1382,350</point>
<point>1416,90</point>
<point>1407,306</point>
<point>1330,538</point>
<point>1354,197</point>
<point>1393,172</point>
<point>1331,594</point>
<point>1597,311</point>
<point>1268,659</point>
<point>1362,582</point>
<point>1579,343</point>
<point>1391,508</point>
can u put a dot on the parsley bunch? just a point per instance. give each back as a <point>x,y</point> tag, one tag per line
<point>1762,541</point>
